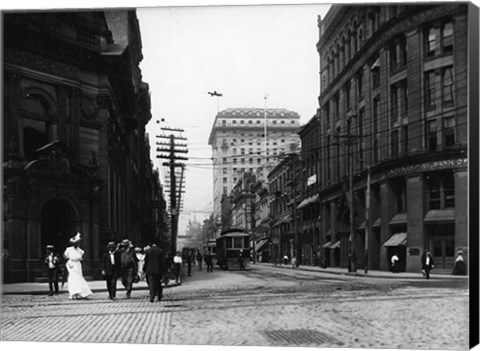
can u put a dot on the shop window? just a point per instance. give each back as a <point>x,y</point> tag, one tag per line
<point>441,191</point>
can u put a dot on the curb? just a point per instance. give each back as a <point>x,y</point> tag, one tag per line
<point>383,276</point>
<point>94,290</point>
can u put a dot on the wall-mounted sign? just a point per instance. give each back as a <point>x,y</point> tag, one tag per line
<point>414,251</point>
<point>429,166</point>
<point>312,180</point>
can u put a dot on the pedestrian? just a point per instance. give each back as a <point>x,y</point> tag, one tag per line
<point>285,259</point>
<point>427,263</point>
<point>294,262</point>
<point>395,263</point>
<point>199,260</point>
<point>141,261</point>
<point>77,285</point>
<point>460,268</point>
<point>189,263</point>
<point>177,266</point>
<point>129,266</point>
<point>111,268</point>
<point>155,268</point>
<point>241,266</point>
<point>52,260</point>
<point>209,261</point>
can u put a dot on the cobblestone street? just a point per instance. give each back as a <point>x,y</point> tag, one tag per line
<point>265,306</point>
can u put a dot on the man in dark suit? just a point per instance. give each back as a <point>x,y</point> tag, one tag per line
<point>111,268</point>
<point>154,268</point>
<point>427,263</point>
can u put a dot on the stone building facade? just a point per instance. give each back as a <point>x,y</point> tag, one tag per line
<point>393,101</point>
<point>76,156</point>
<point>241,142</point>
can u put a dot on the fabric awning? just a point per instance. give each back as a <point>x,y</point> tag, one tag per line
<point>302,204</point>
<point>399,218</point>
<point>440,216</point>
<point>308,201</point>
<point>363,225</point>
<point>377,223</point>
<point>260,245</point>
<point>398,239</point>
<point>327,245</point>
<point>336,245</point>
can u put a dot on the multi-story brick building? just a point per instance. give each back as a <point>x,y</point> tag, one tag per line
<point>76,156</point>
<point>393,100</point>
<point>241,142</point>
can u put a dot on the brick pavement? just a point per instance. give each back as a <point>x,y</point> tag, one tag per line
<point>252,308</point>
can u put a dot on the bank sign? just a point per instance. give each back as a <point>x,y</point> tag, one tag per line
<point>429,166</point>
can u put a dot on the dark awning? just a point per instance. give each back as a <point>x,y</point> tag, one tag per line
<point>399,218</point>
<point>327,245</point>
<point>439,216</point>
<point>377,223</point>
<point>398,239</point>
<point>260,245</point>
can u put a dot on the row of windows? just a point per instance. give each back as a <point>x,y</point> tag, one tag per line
<point>258,121</point>
<point>437,38</point>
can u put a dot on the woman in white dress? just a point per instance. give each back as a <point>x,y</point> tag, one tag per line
<point>77,285</point>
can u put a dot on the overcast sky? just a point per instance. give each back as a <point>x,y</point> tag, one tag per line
<point>243,52</point>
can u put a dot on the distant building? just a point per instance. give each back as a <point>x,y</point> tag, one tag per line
<point>76,156</point>
<point>238,145</point>
<point>393,100</point>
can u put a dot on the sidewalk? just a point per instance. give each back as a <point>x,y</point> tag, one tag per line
<point>361,272</point>
<point>42,288</point>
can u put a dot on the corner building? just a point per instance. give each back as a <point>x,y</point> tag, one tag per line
<point>393,100</point>
<point>76,155</point>
<point>243,139</point>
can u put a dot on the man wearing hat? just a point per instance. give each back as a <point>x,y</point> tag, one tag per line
<point>129,262</point>
<point>111,268</point>
<point>52,260</point>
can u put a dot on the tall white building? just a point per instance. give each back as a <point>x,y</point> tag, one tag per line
<point>242,139</point>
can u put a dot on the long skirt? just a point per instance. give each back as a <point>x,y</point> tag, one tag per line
<point>77,285</point>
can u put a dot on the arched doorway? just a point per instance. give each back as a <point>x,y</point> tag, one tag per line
<point>58,224</point>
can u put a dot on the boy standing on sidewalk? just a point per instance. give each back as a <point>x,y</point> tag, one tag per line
<point>52,260</point>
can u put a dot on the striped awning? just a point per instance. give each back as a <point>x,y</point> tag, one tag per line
<point>398,239</point>
<point>336,245</point>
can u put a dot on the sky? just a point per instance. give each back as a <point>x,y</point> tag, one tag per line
<point>246,53</point>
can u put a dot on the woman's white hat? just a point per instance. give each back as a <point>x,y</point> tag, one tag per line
<point>76,239</point>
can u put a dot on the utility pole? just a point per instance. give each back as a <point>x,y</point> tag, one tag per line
<point>172,150</point>
<point>367,219</point>
<point>353,252</point>
<point>265,125</point>
<point>252,213</point>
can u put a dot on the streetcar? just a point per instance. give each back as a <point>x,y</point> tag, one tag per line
<point>210,246</point>
<point>230,245</point>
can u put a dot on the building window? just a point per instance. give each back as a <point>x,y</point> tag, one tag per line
<point>449,131</point>
<point>234,122</point>
<point>400,192</point>
<point>432,135</point>
<point>394,143</point>
<point>347,96</point>
<point>361,115</point>
<point>336,107</point>
<point>398,53</point>
<point>224,180</point>
<point>234,150</point>
<point>399,100</point>
<point>447,37</point>
<point>234,161</point>
<point>430,89</point>
<point>242,121</point>
<point>224,122</point>
<point>224,171</point>
<point>225,190</point>
<point>375,69</point>
<point>224,160</point>
<point>235,180</point>
<point>242,151</point>
<point>360,83</point>
<point>327,115</point>
<point>441,191</point>
<point>249,121</point>
<point>405,140</point>
<point>431,41</point>
<point>250,161</point>
<point>447,85</point>
<point>242,161</point>
<point>250,151</point>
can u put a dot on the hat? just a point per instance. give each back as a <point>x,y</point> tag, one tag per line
<point>125,242</point>
<point>138,249</point>
<point>111,244</point>
<point>49,247</point>
<point>76,239</point>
